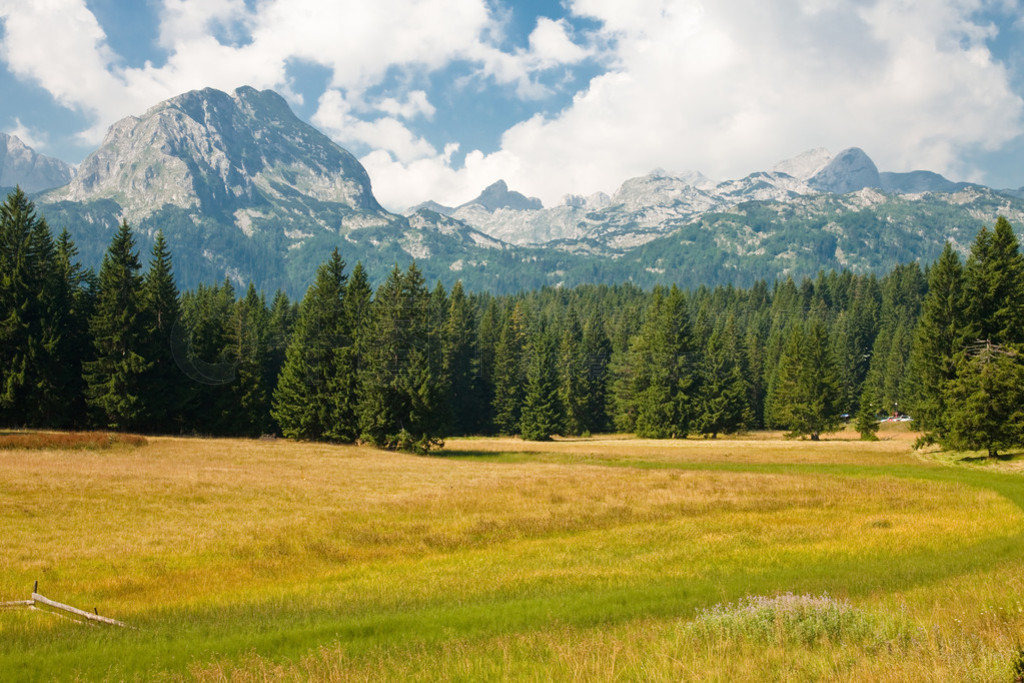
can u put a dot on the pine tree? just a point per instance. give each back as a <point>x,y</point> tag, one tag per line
<point>72,314</point>
<point>459,369</point>
<point>202,350</point>
<point>989,397</point>
<point>33,311</point>
<point>994,287</point>
<point>807,384</point>
<point>283,315</point>
<point>509,372</point>
<point>402,404</point>
<point>937,340</point>
<point>721,405</point>
<point>573,384</point>
<point>311,400</point>
<point>664,358</point>
<point>541,412</point>
<point>249,343</point>
<point>167,392</point>
<point>115,378</point>
<point>596,354</point>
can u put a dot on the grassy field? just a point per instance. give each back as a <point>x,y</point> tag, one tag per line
<point>609,558</point>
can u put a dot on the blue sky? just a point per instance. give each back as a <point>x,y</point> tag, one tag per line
<point>439,98</point>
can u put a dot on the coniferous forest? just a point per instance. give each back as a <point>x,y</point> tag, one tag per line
<point>406,364</point>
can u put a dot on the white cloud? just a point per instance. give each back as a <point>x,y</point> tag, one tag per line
<point>724,87</point>
<point>387,134</point>
<point>35,139</point>
<point>414,105</point>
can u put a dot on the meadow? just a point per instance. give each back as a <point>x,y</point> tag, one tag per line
<point>747,558</point>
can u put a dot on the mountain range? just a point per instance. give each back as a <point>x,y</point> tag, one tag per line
<point>244,190</point>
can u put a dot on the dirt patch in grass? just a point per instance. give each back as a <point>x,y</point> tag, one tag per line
<point>68,440</point>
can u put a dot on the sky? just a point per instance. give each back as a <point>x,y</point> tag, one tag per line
<point>440,98</point>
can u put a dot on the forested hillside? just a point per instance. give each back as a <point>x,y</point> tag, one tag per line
<point>410,363</point>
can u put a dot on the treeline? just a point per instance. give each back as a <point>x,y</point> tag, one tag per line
<point>405,365</point>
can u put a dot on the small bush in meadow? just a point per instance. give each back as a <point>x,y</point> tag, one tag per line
<point>804,619</point>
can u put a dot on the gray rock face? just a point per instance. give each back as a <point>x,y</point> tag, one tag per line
<point>497,196</point>
<point>219,153</point>
<point>20,165</point>
<point>849,171</point>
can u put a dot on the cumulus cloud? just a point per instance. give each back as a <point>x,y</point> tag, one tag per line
<point>226,43</point>
<point>37,140</point>
<point>732,87</point>
<point>724,87</point>
<point>387,134</point>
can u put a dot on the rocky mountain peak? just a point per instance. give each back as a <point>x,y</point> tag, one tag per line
<point>848,171</point>
<point>497,196</point>
<point>805,165</point>
<point>23,166</point>
<point>220,153</point>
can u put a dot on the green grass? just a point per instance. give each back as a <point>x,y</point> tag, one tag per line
<point>594,559</point>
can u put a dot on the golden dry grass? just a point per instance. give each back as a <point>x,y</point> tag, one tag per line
<point>551,538</point>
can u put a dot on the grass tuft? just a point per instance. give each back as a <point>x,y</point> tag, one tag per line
<point>789,619</point>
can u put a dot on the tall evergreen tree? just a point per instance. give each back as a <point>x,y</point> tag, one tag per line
<point>807,384</point>
<point>573,384</point>
<point>989,397</point>
<point>509,371</point>
<point>541,412</point>
<point>596,353</point>
<point>664,357</point>
<point>249,344</point>
<point>72,314</point>
<point>460,360</point>
<point>937,340</point>
<point>115,382</point>
<point>166,388</point>
<point>310,401</point>
<point>402,404</point>
<point>994,287</point>
<point>32,317</point>
<point>721,405</point>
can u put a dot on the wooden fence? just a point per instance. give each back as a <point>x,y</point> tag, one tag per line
<point>40,602</point>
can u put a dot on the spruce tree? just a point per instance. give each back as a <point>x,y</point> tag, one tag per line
<point>721,405</point>
<point>460,360</point>
<point>509,371</point>
<point>311,400</point>
<point>116,387</point>
<point>33,312</point>
<point>989,397</point>
<point>994,287</point>
<point>202,349</point>
<point>167,391</point>
<point>541,412</point>
<point>937,340</point>
<point>249,344</point>
<point>573,380</point>
<point>807,385</point>
<point>402,404</point>
<point>666,389</point>
<point>75,308</point>
<point>596,355</point>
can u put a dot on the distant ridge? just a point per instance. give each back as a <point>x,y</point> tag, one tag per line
<point>22,166</point>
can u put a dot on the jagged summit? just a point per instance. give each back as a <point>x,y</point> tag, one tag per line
<point>497,196</point>
<point>22,166</point>
<point>805,165</point>
<point>848,171</point>
<point>219,153</point>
